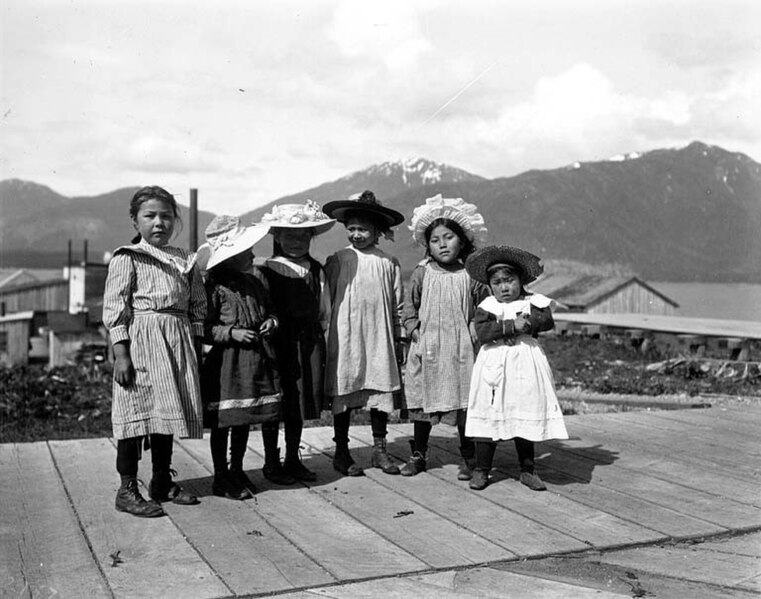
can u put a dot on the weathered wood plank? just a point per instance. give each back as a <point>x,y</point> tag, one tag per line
<point>337,542</point>
<point>156,561</point>
<point>589,525</point>
<point>42,550</point>
<point>642,430</point>
<point>455,502</point>
<point>574,481</point>
<point>692,563</point>
<point>689,470</point>
<point>408,524</point>
<point>240,545</point>
<point>690,502</point>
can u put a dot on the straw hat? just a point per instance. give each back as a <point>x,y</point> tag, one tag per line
<point>225,238</point>
<point>478,263</point>
<point>299,216</point>
<point>363,202</point>
<point>456,209</point>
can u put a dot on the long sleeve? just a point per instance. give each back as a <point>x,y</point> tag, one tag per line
<point>197,305</point>
<point>324,309</point>
<point>215,331</point>
<point>331,275</point>
<point>541,320</point>
<point>268,305</point>
<point>117,297</point>
<point>411,316</point>
<point>398,299</point>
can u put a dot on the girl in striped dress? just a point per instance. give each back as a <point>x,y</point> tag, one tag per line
<point>239,378</point>
<point>153,306</point>
<point>438,317</point>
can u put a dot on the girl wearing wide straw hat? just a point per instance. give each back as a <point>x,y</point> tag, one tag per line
<point>512,391</point>
<point>438,316</point>
<point>367,299</point>
<point>239,376</point>
<point>299,289</point>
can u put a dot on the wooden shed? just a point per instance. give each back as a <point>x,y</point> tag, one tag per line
<point>16,332</point>
<point>594,294</point>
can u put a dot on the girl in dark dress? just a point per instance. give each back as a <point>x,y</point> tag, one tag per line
<point>240,383</point>
<point>297,285</point>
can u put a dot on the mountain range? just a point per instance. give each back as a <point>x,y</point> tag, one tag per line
<point>688,214</point>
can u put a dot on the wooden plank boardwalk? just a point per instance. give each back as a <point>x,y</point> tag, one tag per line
<point>623,481</point>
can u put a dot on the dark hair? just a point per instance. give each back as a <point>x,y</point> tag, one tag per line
<point>152,192</point>
<point>277,249</point>
<point>512,269</point>
<point>466,248</point>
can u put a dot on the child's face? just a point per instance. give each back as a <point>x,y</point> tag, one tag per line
<point>444,245</point>
<point>294,242</point>
<point>505,286</point>
<point>155,222</point>
<point>361,232</point>
<point>241,262</point>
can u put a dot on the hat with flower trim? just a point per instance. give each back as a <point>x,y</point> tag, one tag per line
<point>308,215</point>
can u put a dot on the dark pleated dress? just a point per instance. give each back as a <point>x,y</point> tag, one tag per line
<point>299,341</point>
<point>239,382</point>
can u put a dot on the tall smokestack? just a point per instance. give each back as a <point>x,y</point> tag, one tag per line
<point>193,221</point>
<point>84,252</point>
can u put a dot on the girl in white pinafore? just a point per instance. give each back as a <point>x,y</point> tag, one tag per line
<point>512,392</point>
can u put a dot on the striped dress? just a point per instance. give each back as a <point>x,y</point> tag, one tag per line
<point>154,299</point>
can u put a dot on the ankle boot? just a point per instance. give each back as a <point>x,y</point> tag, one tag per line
<point>129,499</point>
<point>273,470</point>
<point>480,479</point>
<point>162,488</point>
<point>242,480</point>
<point>417,462</point>
<point>295,467</point>
<point>381,459</point>
<point>225,485</point>
<point>532,481</point>
<point>465,471</point>
<point>343,462</point>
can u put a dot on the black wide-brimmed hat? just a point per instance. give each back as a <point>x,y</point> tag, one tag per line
<point>479,262</point>
<point>363,202</point>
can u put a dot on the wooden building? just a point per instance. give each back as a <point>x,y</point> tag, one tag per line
<point>594,294</point>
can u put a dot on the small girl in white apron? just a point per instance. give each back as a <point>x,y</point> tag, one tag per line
<point>512,392</point>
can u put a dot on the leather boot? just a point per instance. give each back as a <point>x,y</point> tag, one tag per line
<point>129,499</point>
<point>294,466</point>
<point>417,462</point>
<point>273,470</point>
<point>242,480</point>
<point>343,462</point>
<point>381,459</point>
<point>225,485</point>
<point>468,464</point>
<point>162,489</point>
<point>480,479</point>
<point>532,481</point>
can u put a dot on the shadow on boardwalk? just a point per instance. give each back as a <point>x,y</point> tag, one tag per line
<point>635,479</point>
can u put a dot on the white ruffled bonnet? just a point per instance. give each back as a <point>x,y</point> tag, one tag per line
<point>456,209</point>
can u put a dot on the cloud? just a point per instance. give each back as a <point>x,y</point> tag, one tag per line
<point>388,32</point>
<point>154,154</point>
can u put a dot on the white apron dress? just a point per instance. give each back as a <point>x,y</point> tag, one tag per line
<point>512,391</point>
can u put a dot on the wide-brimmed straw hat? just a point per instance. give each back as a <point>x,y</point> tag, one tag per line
<point>456,209</point>
<point>299,216</point>
<point>225,238</point>
<point>363,202</point>
<point>479,262</point>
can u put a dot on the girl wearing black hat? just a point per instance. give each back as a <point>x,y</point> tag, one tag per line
<point>512,392</point>
<point>365,325</point>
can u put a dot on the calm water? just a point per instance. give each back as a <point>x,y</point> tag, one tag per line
<point>732,301</point>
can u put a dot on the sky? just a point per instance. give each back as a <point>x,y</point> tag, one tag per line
<point>248,101</point>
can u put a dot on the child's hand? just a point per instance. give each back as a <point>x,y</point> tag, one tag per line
<point>268,327</point>
<point>242,335</point>
<point>415,336</point>
<point>522,324</point>
<point>124,372</point>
